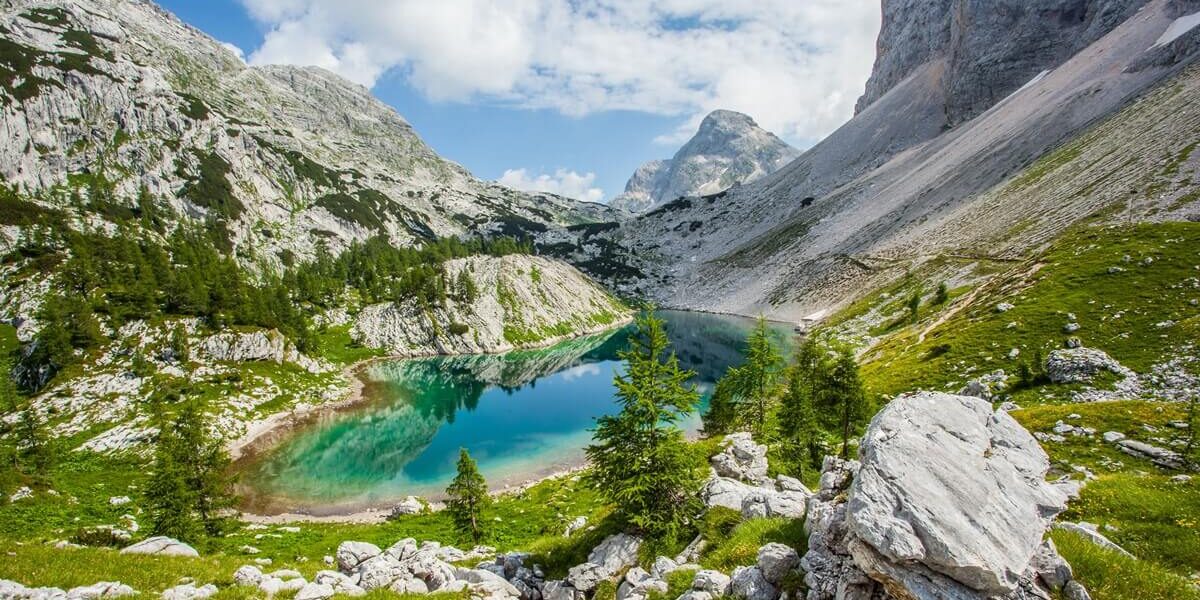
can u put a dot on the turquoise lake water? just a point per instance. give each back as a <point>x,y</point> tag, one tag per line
<point>522,415</point>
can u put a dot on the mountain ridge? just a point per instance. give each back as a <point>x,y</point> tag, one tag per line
<point>728,149</point>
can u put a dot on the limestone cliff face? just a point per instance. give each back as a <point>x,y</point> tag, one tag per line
<point>728,149</point>
<point>989,47</point>
<point>522,302</point>
<point>118,96</point>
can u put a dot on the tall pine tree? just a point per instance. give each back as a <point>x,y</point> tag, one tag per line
<point>844,396</point>
<point>797,421</point>
<point>189,487</point>
<point>760,375</point>
<point>640,460</point>
<point>468,498</point>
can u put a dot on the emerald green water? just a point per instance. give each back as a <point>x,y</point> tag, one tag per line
<point>522,415</point>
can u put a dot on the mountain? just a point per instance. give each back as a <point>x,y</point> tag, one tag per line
<point>119,96</point>
<point>728,149</point>
<point>945,160</point>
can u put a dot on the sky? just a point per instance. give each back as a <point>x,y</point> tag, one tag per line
<point>569,96</point>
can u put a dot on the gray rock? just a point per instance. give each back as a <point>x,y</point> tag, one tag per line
<point>1113,436</point>
<point>712,582</point>
<point>1051,567</point>
<point>410,505</point>
<point>352,554</point>
<point>769,503</point>
<point>1075,591</point>
<point>1090,533</point>
<point>776,560</point>
<point>161,546</point>
<point>188,591</point>
<point>585,576</point>
<point>1159,456</point>
<point>616,552</point>
<point>951,487</point>
<point>103,589</point>
<point>662,566</point>
<point>379,572</point>
<point>1077,365</point>
<point>481,576</point>
<point>726,492</point>
<point>695,595</point>
<point>402,550</point>
<point>248,575</point>
<point>315,591</point>
<point>691,553</point>
<point>742,459</point>
<point>561,590</point>
<point>341,584</point>
<point>409,585</point>
<point>749,583</point>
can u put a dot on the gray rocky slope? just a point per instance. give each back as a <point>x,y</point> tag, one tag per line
<point>728,149</point>
<point>950,153</point>
<point>121,94</point>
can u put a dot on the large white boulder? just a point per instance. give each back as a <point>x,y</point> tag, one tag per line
<point>949,500</point>
<point>951,485</point>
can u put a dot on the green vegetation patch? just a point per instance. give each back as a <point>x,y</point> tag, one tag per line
<point>1129,288</point>
<point>211,188</point>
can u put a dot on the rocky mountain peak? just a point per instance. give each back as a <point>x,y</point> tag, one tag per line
<point>729,148</point>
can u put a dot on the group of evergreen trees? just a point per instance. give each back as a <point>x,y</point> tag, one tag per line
<point>136,274</point>
<point>794,406</point>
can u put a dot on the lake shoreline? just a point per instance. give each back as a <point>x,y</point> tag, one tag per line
<point>264,434</point>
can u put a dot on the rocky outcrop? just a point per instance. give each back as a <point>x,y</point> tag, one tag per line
<point>949,501</point>
<point>521,301</point>
<point>728,149</point>
<point>256,346</point>
<point>1079,365</point>
<point>11,590</point>
<point>739,482</point>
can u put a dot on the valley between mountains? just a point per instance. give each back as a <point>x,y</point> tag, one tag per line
<point>249,319</point>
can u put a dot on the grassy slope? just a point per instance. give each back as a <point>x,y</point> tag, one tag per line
<point>1141,508</point>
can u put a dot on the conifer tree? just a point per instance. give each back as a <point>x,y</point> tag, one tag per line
<point>943,293</point>
<point>798,426</point>
<point>640,460</point>
<point>189,487</point>
<point>914,306</point>
<point>34,446</point>
<point>759,375</point>
<point>723,406</point>
<point>468,498</point>
<point>844,397</point>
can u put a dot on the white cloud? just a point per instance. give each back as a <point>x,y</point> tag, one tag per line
<point>234,49</point>
<point>796,66</point>
<point>562,182</point>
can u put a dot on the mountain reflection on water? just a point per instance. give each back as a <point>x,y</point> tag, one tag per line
<point>522,415</point>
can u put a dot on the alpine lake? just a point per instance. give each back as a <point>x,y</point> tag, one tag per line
<point>522,415</point>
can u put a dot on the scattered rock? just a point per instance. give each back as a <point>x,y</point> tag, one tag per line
<point>776,561</point>
<point>1113,436</point>
<point>1159,456</point>
<point>162,546</point>
<point>103,589</point>
<point>713,582</point>
<point>749,583</point>
<point>411,505</point>
<point>1078,365</point>
<point>315,591</point>
<point>742,459</point>
<point>189,591</point>
<point>351,554</point>
<point>616,552</point>
<point>1092,534</point>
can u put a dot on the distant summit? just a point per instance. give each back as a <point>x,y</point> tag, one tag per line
<point>728,149</point>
